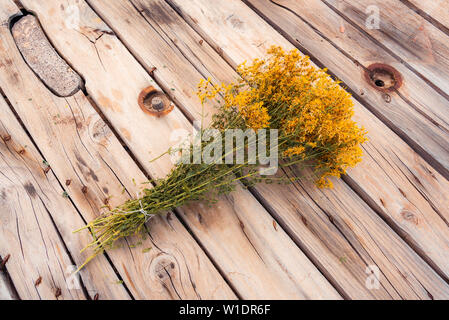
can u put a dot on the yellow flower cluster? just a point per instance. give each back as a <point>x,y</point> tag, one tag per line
<point>312,111</point>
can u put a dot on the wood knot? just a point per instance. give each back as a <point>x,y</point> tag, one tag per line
<point>410,216</point>
<point>163,267</point>
<point>383,77</point>
<point>100,130</point>
<point>154,102</point>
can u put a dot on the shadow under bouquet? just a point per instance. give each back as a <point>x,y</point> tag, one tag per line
<point>282,111</point>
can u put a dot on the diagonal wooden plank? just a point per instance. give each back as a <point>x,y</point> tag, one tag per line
<point>400,188</point>
<point>259,261</point>
<point>139,50</point>
<point>332,254</point>
<point>84,153</point>
<point>6,292</point>
<point>416,112</point>
<point>27,233</point>
<point>416,41</point>
<point>32,202</point>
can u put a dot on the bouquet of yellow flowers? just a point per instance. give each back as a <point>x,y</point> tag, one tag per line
<point>306,115</point>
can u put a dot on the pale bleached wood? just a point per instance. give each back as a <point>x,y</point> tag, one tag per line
<point>32,201</point>
<point>247,36</point>
<point>259,261</point>
<point>181,37</point>
<point>351,277</point>
<point>411,37</point>
<point>83,150</point>
<point>437,9</point>
<point>28,200</point>
<point>416,112</point>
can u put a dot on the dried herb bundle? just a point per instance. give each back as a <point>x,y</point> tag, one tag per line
<point>312,117</point>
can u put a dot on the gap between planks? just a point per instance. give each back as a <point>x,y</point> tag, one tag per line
<point>434,11</point>
<point>242,269</point>
<point>415,112</point>
<point>255,2</point>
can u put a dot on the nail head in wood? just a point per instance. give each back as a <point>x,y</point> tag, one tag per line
<point>383,77</point>
<point>154,102</point>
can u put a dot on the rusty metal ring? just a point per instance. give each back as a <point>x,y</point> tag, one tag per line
<point>383,77</point>
<point>154,102</point>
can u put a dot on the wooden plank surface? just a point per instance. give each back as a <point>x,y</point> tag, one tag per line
<point>249,39</point>
<point>33,206</point>
<point>416,112</point>
<point>29,199</point>
<point>411,37</point>
<point>435,9</point>
<point>163,19</point>
<point>86,153</point>
<point>259,261</point>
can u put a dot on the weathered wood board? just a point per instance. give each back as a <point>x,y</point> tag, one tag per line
<point>94,166</point>
<point>244,258</point>
<point>6,287</point>
<point>29,201</point>
<point>415,111</point>
<point>158,14</point>
<point>420,44</point>
<point>387,217</point>
<point>435,9</point>
<point>37,220</point>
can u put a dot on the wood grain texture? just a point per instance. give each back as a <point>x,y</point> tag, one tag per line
<point>328,257</point>
<point>28,200</point>
<point>350,277</point>
<point>107,66</point>
<point>436,9</point>
<point>249,39</point>
<point>95,168</point>
<point>411,37</point>
<point>416,112</point>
